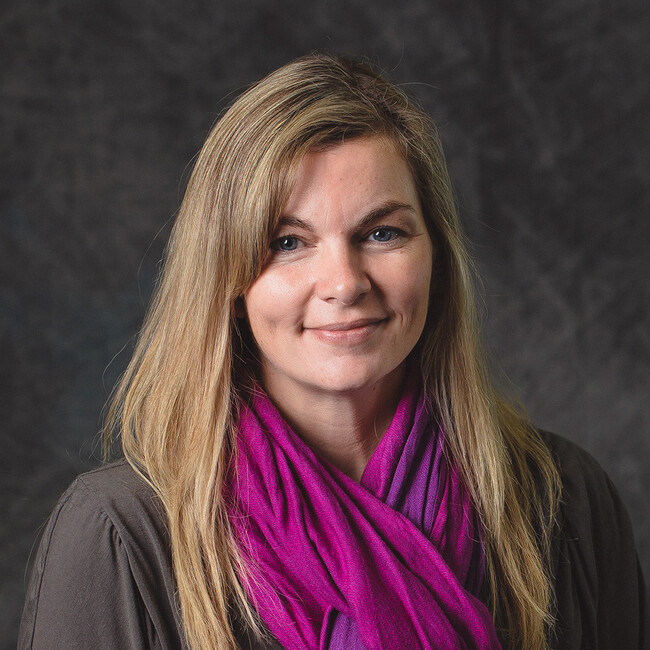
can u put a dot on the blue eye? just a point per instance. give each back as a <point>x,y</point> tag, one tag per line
<point>383,234</point>
<point>288,243</point>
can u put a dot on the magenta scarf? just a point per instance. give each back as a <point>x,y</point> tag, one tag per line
<point>394,561</point>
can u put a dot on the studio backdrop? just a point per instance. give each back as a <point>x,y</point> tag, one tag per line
<point>543,109</point>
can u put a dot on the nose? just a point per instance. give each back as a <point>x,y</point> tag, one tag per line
<point>341,276</point>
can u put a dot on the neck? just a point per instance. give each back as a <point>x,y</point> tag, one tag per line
<point>343,428</point>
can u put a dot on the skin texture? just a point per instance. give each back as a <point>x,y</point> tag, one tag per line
<point>342,299</point>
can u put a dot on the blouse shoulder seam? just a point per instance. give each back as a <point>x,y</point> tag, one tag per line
<point>49,532</point>
<point>96,495</point>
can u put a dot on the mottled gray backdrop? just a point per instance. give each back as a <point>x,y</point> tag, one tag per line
<point>544,113</point>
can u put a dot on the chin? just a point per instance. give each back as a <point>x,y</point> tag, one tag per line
<point>352,378</point>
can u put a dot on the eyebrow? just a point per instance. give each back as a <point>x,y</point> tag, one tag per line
<point>374,215</point>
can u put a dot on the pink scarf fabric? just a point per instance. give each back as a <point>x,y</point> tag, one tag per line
<point>394,561</point>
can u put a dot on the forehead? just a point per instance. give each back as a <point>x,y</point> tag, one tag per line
<point>349,175</point>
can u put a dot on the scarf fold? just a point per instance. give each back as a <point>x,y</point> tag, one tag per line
<point>394,561</point>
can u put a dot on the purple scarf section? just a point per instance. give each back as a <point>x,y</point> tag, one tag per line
<point>394,561</point>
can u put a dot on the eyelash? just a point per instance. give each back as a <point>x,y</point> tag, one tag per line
<point>275,245</point>
<point>395,234</point>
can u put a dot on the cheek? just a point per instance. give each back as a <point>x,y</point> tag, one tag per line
<point>273,302</point>
<point>410,288</point>
<point>423,279</point>
<point>417,306</point>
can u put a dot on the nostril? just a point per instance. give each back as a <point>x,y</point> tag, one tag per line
<point>347,288</point>
<point>342,276</point>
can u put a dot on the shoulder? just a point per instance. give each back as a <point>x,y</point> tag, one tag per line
<point>589,498</point>
<point>571,457</point>
<point>115,484</point>
<point>582,476</point>
<point>599,589</point>
<point>116,492</point>
<point>592,513</point>
<point>111,503</point>
<point>104,552</point>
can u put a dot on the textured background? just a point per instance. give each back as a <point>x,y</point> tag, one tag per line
<point>544,114</point>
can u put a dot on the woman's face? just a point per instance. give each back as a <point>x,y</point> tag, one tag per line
<point>342,299</point>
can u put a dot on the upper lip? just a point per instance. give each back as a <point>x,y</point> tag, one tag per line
<point>348,325</point>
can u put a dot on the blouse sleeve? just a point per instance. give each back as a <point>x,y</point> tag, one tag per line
<point>82,592</point>
<point>600,591</point>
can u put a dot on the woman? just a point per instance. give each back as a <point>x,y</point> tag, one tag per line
<point>317,456</point>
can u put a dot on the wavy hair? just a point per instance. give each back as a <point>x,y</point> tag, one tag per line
<point>176,406</point>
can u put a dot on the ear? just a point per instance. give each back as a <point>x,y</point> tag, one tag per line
<point>239,307</point>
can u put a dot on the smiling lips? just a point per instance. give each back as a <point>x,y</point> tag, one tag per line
<point>355,331</point>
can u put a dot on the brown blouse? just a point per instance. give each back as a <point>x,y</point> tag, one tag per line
<point>102,577</point>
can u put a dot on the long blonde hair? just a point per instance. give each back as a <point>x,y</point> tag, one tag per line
<point>176,406</point>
